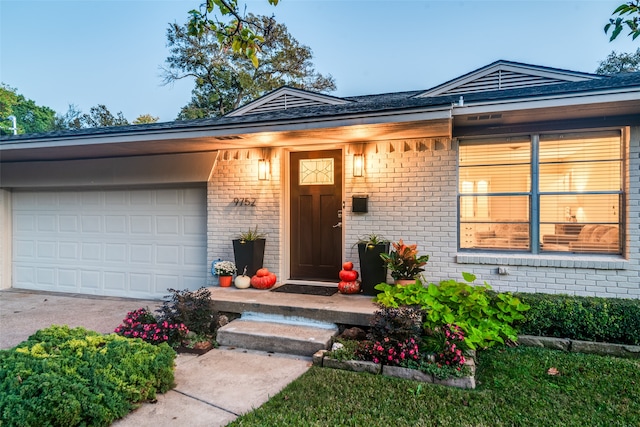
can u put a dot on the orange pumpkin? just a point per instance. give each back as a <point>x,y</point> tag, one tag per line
<point>348,275</point>
<point>262,272</point>
<point>263,282</point>
<point>349,287</point>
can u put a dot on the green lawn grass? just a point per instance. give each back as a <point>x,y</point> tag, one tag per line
<point>513,389</point>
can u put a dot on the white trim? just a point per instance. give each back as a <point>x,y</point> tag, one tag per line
<point>537,260</point>
<point>213,131</point>
<point>564,100</point>
<point>285,247</point>
<point>6,240</point>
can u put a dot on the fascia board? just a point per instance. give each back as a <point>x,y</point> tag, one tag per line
<point>567,100</point>
<point>226,130</point>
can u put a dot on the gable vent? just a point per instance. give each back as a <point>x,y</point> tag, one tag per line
<point>286,102</point>
<point>500,80</point>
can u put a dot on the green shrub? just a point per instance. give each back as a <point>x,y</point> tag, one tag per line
<point>485,318</point>
<point>62,376</point>
<point>192,308</point>
<point>397,324</point>
<point>611,320</point>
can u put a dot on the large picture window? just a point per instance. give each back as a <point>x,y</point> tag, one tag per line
<point>542,193</point>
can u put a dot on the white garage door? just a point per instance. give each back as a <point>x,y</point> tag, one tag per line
<point>134,243</point>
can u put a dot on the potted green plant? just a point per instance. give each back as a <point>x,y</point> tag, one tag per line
<point>248,250</point>
<point>372,268</point>
<point>404,263</point>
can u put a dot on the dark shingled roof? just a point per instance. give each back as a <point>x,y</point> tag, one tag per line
<point>388,102</point>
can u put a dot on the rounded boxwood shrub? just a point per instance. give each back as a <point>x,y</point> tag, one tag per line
<point>63,376</point>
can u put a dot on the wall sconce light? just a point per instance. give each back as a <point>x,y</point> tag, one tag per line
<point>358,165</point>
<point>263,169</point>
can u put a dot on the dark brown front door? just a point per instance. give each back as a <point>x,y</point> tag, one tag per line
<point>316,210</point>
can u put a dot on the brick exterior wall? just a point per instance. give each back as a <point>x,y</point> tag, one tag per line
<point>5,239</point>
<point>235,176</point>
<point>412,195</point>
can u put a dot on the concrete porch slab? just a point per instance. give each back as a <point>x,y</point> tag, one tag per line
<point>338,308</point>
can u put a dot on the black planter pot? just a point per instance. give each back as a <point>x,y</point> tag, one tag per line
<point>250,254</point>
<point>372,268</point>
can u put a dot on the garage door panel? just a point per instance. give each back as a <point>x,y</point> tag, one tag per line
<point>168,225</point>
<point>68,223</point>
<point>128,243</point>
<point>115,224</point>
<point>67,279</point>
<point>47,250</point>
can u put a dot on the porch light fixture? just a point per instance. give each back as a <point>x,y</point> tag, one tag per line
<point>358,165</point>
<point>263,169</point>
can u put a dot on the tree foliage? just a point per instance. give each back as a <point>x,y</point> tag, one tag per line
<point>232,29</point>
<point>145,119</point>
<point>226,80</point>
<point>620,63</point>
<point>100,116</point>
<point>30,117</point>
<point>628,16</point>
<point>72,119</point>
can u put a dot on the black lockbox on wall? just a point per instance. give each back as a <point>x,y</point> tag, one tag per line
<point>360,203</point>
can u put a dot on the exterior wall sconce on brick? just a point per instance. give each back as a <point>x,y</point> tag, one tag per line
<point>358,165</point>
<point>263,169</point>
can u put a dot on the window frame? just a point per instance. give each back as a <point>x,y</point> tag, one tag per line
<point>534,194</point>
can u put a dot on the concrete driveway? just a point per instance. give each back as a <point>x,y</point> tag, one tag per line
<point>24,312</point>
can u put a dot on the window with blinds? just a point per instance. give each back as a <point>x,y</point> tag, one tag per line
<point>559,193</point>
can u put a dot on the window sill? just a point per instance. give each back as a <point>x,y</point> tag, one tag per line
<point>600,262</point>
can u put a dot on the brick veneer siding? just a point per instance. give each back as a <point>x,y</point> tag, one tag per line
<point>235,175</point>
<point>5,239</point>
<point>412,195</point>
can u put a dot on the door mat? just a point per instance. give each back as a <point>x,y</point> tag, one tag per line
<point>290,288</point>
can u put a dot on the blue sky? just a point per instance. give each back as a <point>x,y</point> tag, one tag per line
<point>61,52</point>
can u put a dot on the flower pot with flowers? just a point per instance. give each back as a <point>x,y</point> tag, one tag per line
<point>225,270</point>
<point>404,263</point>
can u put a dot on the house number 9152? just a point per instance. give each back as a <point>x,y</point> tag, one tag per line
<point>244,202</point>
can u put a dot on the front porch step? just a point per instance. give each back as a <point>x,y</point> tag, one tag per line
<point>355,310</point>
<point>289,338</point>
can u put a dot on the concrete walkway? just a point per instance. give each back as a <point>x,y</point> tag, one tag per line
<point>211,390</point>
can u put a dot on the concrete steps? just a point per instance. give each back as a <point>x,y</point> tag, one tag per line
<point>279,335</point>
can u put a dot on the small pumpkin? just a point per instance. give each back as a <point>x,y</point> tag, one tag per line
<point>262,280</point>
<point>348,275</point>
<point>242,282</point>
<point>349,287</point>
<point>262,272</point>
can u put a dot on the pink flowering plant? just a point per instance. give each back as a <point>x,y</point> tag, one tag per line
<point>142,324</point>
<point>452,351</point>
<point>388,352</point>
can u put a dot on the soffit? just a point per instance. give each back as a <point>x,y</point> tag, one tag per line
<point>304,134</point>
